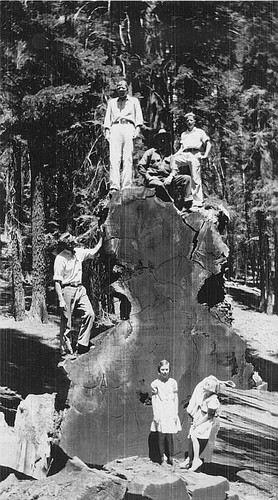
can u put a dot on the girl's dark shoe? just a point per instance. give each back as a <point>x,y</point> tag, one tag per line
<point>82,349</point>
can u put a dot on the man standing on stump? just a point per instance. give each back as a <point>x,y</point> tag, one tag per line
<point>122,124</point>
<point>71,293</point>
<point>195,147</point>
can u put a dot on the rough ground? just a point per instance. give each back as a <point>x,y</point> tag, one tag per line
<point>259,330</point>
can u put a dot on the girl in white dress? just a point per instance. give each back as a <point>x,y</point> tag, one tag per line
<point>166,421</point>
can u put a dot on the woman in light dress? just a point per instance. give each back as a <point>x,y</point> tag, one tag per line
<point>166,421</point>
<point>203,409</point>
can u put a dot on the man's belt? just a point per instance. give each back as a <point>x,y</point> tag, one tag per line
<point>122,120</point>
<point>73,285</point>
<point>191,150</point>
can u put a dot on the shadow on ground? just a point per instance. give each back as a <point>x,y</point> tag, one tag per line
<point>28,366</point>
<point>241,294</point>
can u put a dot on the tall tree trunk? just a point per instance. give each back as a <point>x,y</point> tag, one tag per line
<point>13,221</point>
<point>38,306</point>
<point>262,259</point>
<point>275,279</point>
<point>17,284</point>
<point>271,269</point>
<point>246,252</point>
<point>267,240</point>
<point>63,197</point>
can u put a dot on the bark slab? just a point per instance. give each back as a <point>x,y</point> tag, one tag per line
<point>25,447</point>
<point>248,436</point>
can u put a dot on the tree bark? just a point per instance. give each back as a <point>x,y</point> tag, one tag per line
<point>269,265</point>
<point>262,270</point>
<point>14,219</point>
<point>275,279</point>
<point>38,306</point>
<point>17,284</point>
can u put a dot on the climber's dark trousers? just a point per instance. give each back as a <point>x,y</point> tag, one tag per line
<point>165,444</point>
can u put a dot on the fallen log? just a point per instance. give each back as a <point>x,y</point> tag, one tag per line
<point>248,435</point>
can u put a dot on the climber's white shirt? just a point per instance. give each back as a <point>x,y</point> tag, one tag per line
<point>194,139</point>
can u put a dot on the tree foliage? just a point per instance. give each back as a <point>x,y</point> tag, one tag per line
<point>59,65</point>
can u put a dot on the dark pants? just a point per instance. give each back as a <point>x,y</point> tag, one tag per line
<point>202,443</point>
<point>165,444</point>
<point>179,189</point>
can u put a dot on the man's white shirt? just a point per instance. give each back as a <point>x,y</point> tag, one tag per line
<point>68,268</point>
<point>194,139</point>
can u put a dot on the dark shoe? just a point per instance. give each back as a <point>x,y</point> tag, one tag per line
<point>187,204</point>
<point>163,194</point>
<point>112,191</point>
<point>82,349</point>
<point>170,461</point>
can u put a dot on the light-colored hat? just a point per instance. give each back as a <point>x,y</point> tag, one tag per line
<point>162,132</point>
<point>190,115</point>
<point>120,83</point>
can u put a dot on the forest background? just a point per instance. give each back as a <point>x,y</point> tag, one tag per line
<point>60,61</point>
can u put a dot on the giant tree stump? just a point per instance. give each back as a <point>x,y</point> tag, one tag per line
<point>166,264</point>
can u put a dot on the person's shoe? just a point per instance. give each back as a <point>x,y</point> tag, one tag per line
<point>112,191</point>
<point>82,349</point>
<point>185,464</point>
<point>71,356</point>
<point>187,204</point>
<point>69,348</point>
<point>170,461</point>
<point>195,208</point>
<point>162,193</point>
<point>63,352</point>
<point>184,211</point>
<point>163,460</point>
<point>196,464</point>
<point>67,357</point>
